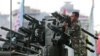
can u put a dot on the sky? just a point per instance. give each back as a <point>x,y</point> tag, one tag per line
<point>50,6</point>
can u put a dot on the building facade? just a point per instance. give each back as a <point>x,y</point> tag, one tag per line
<point>4,22</point>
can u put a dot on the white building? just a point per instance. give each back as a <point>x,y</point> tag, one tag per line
<point>3,22</point>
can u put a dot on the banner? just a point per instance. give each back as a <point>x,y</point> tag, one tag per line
<point>19,18</point>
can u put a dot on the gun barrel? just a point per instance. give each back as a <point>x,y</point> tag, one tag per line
<point>34,45</point>
<point>87,41</point>
<point>1,39</point>
<point>4,28</point>
<point>55,29</point>
<point>37,46</point>
<point>89,49</point>
<point>57,15</point>
<point>23,29</point>
<point>89,33</point>
<point>28,17</point>
<point>25,48</point>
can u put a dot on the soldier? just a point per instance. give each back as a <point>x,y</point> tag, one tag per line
<point>75,35</point>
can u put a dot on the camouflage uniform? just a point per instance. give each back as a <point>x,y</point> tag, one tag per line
<point>76,39</point>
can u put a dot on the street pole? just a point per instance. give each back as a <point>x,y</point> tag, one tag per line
<point>91,30</point>
<point>10,21</point>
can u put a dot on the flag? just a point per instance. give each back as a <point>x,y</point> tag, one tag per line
<point>98,44</point>
<point>19,19</point>
<point>65,11</point>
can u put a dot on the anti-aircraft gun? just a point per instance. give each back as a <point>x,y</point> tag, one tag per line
<point>14,44</point>
<point>32,37</point>
<point>61,29</point>
<point>56,36</point>
<point>37,30</point>
<point>67,19</point>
